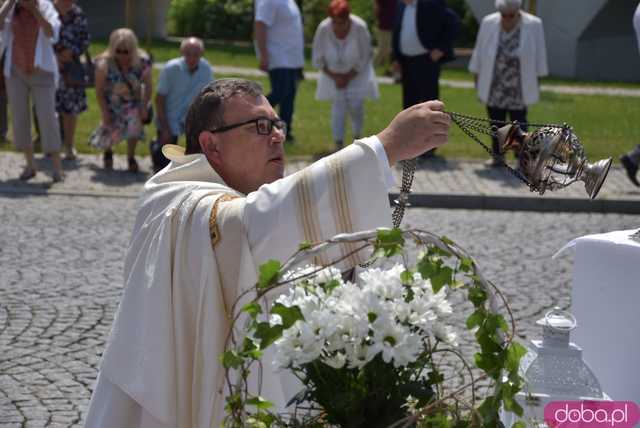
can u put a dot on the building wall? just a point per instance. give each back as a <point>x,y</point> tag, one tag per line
<point>607,49</point>
<point>148,17</point>
<point>586,39</point>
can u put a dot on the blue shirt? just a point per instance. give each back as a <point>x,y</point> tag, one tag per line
<point>180,87</point>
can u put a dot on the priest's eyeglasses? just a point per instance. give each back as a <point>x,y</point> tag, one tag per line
<point>264,126</point>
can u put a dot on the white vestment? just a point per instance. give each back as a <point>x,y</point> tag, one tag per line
<point>196,244</point>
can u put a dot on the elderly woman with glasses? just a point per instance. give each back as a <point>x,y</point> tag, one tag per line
<point>123,91</point>
<point>509,57</point>
<point>342,52</point>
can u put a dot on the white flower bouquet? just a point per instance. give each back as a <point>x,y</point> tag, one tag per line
<point>364,349</point>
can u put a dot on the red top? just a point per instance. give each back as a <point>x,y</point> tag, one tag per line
<point>25,36</point>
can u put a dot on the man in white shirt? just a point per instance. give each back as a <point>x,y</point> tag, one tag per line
<point>631,160</point>
<point>206,222</point>
<point>422,40</point>
<point>279,38</point>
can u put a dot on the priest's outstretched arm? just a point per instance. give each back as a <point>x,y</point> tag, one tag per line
<point>345,192</point>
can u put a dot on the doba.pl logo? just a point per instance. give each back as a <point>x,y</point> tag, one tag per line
<point>592,414</point>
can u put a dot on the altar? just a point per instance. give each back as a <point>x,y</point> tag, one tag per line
<point>605,299</point>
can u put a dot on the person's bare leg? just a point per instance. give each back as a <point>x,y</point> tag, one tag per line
<point>57,166</point>
<point>69,122</point>
<point>28,157</point>
<point>131,155</point>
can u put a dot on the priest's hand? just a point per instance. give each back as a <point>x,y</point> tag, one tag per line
<point>415,130</point>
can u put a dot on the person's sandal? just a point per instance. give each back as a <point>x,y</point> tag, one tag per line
<point>108,160</point>
<point>133,165</point>
<point>27,174</point>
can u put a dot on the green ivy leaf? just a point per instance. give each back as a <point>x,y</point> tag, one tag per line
<point>259,402</point>
<point>496,322</point>
<point>289,315</point>
<point>427,267</point>
<point>231,360</point>
<point>304,245</point>
<point>253,309</point>
<point>446,240</point>
<point>487,340</point>
<point>515,352</point>
<point>234,402</point>
<point>477,295</point>
<point>329,286</point>
<point>435,377</point>
<point>489,411</point>
<point>476,318</point>
<point>489,362</point>
<point>519,424</point>
<point>269,272</point>
<point>267,334</point>
<point>389,242</point>
<point>507,394</point>
<point>250,349</point>
<point>466,264</point>
<point>406,277</point>
<point>442,277</point>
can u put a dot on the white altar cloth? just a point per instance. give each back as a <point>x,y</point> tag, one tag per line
<point>605,299</point>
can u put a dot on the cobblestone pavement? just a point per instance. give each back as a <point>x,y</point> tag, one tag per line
<point>439,178</point>
<point>61,261</point>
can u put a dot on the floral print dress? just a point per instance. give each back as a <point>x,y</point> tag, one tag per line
<point>74,35</point>
<point>506,86</point>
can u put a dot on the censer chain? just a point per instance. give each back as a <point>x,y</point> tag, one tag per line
<point>468,124</point>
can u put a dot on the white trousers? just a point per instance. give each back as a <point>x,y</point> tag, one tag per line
<point>343,104</point>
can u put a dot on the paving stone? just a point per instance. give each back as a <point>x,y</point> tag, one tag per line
<point>55,316</point>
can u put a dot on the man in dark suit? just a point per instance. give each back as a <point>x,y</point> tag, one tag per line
<point>422,40</point>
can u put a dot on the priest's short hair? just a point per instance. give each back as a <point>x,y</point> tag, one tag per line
<point>207,109</point>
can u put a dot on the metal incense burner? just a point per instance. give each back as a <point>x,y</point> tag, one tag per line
<point>549,158</point>
<point>552,157</point>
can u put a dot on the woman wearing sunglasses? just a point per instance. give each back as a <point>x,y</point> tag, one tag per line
<point>509,57</point>
<point>123,92</point>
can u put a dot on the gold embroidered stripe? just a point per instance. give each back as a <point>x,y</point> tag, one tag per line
<point>341,207</point>
<point>307,215</point>
<point>214,233</point>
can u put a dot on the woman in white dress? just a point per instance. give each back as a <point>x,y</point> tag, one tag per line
<point>342,51</point>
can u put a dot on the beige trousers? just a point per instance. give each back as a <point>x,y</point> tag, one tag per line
<point>383,55</point>
<point>40,87</point>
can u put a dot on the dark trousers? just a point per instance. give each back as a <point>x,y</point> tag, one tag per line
<point>500,114</point>
<point>420,83</point>
<point>420,77</point>
<point>158,159</point>
<point>284,82</point>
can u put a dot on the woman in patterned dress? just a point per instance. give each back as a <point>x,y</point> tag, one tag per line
<point>123,91</point>
<point>508,58</point>
<point>72,42</point>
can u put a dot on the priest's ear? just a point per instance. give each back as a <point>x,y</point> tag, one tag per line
<point>210,145</point>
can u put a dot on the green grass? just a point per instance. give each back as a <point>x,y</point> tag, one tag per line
<point>605,125</point>
<point>242,54</point>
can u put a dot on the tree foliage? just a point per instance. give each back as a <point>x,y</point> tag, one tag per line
<point>233,19</point>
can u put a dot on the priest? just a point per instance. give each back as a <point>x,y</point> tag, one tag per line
<point>206,222</point>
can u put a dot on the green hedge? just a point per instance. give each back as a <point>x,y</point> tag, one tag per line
<point>233,19</point>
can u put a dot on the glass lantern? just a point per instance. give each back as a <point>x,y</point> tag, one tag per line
<point>553,370</point>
